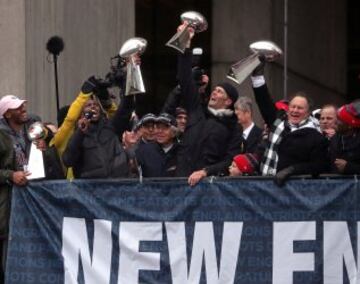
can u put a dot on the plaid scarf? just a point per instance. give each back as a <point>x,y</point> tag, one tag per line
<point>279,130</point>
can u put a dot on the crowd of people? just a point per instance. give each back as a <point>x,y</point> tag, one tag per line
<point>196,135</point>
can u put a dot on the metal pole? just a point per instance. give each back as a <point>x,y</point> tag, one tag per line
<point>285,48</point>
<point>56,84</point>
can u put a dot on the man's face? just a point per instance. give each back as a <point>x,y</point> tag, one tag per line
<point>298,110</point>
<point>18,116</point>
<point>181,120</point>
<point>219,99</point>
<point>92,107</point>
<point>328,118</point>
<point>243,116</point>
<point>148,131</point>
<point>164,134</point>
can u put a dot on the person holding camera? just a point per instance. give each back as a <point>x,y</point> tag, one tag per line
<point>212,135</point>
<point>94,150</point>
<point>92,86</point>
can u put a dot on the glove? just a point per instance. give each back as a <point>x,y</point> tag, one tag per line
<point>282,176</point>
<point>258,71</point>
<point>90,85</point>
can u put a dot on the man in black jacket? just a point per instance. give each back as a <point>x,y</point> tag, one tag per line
<point>94,150</point>
<point>212,136</point>
<point>295,143</point>
<point>158,158</point>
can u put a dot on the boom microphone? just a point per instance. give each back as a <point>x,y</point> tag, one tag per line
<point>55,45</point>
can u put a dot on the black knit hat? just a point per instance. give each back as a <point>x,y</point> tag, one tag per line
<point>230,91</point>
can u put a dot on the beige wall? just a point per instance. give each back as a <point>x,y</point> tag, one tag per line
<point>316,44</point>
<point>236,24</point>
<point>12,47</point>
<point>93,31</point>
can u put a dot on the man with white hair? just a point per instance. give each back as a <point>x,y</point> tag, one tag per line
<point>295,144</point>
<point>252,134</point>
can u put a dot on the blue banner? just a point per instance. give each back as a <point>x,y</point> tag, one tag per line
<point>227,231</point>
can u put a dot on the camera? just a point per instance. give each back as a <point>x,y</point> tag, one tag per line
<point>88,115</point>
<point>116,76</point>
<point>197,74</point>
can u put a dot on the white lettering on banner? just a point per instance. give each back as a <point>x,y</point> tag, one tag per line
<point>131,260</point>
<point>76,247</point>
<point>75,243</point>
<point>203,248</point>
<point>285,261</point>
<point>337,251</point>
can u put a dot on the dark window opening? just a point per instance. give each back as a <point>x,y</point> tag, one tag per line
<point>156,21</point>
<point>353,76</point>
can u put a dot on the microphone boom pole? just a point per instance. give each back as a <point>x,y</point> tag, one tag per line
<point>56,83</point>
<point>55,45</point>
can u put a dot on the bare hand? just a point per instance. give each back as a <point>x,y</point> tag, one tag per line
<point>330,132</point>
<point>40,144</point>
<point>191,31</point>
<point>129,139</point>
<point>340,165</point>
<point>20,178</point>
<point>195,177</point>
<point>135,59</point>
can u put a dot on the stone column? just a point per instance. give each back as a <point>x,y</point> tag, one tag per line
<point>12,47</point>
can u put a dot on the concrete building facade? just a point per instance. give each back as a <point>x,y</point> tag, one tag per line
<point>93,31</point>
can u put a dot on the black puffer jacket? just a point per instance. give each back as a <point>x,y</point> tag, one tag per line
<point>98,152</point>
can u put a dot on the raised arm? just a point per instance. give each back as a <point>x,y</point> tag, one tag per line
<point>121,118</point>
<point>264,101</point>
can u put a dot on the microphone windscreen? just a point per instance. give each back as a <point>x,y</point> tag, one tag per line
<point>55,45</point>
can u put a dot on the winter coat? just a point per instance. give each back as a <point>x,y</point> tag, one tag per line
<point>98,153</point>
<point>7,167</point>
<point>209,141</point>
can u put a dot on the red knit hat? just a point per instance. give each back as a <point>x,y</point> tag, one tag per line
<point>350,114</point>
<point>246,163</point>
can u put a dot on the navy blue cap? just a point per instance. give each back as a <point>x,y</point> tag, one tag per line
<point>149,117</point>
<point>166,119</point>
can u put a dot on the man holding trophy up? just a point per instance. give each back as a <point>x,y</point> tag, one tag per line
<point>212,136</point>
